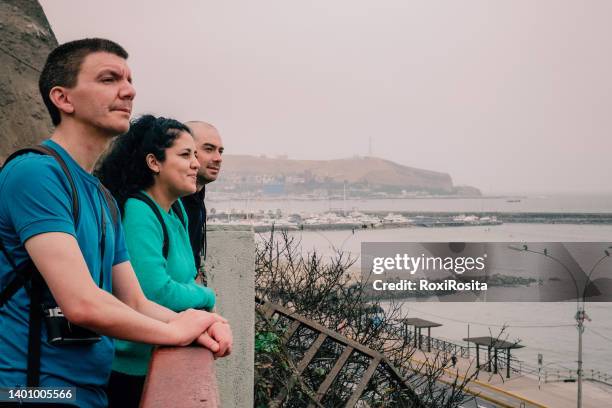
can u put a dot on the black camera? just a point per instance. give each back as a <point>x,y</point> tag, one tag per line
<point>60,332</point>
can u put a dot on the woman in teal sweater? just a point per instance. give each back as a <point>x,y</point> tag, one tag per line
<point>148,170</point>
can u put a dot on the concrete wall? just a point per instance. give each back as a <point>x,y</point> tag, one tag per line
<point>230,267</point>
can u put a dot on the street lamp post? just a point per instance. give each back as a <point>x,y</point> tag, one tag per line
<point>580,312</point>
<point>580,316</point>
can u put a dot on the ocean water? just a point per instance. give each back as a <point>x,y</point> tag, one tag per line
<point>546,328</point>
<point>532,203</point>
<point>327,241</point>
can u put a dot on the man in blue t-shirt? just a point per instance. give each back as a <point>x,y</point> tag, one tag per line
<point>87,88</point>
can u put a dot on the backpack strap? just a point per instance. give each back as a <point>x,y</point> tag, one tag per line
<point>147,200</point>
<point>176,207</point>
<point>23,274</point>
<point>110,202</point>
<point>47,151</point>
<point>27,271</point>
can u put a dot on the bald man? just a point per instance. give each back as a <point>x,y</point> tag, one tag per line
<point>209,147</point>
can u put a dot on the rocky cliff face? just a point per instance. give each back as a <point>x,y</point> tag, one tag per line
<point>25,41</point>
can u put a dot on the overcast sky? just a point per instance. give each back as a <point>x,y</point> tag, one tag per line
<point>507,96</point>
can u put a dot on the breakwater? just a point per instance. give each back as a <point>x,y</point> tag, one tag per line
<point>517,217</point>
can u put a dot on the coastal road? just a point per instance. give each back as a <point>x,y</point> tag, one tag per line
<point>473,401</point>
<point>482,395</point>
<point>488,397</point>
<point>476,403</point>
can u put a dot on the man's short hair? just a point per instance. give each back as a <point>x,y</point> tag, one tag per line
<point>64,63</point>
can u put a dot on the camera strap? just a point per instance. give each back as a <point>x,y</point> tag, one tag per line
<point>33,374</point>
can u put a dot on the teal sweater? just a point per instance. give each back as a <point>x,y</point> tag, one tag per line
<point>170,283</point>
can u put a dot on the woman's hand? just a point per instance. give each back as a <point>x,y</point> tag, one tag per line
<point>218,339</point>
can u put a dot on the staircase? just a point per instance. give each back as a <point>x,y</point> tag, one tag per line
<point>343,372</point>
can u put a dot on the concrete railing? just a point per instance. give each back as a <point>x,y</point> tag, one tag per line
<point>189,376</point>
<point>181,377</point>
<point>230,268</point>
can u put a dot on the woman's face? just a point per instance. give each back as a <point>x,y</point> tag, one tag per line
<point>178,173</point>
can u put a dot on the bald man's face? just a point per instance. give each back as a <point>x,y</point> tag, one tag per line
<point>209,148</point>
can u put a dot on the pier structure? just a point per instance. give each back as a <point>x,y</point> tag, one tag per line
<point>493,344</point>
<point>418,325</point>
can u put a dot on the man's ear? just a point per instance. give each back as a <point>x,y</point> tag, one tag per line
<point>153,163</point>
<point>59,97</point>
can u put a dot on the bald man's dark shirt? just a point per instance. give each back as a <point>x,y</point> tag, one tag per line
<point>196,216</point>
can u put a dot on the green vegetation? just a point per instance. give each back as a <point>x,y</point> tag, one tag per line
<point>324,292</point>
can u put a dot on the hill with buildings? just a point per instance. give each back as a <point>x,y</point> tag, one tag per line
<point>363,176</point>
<point>25,42</point>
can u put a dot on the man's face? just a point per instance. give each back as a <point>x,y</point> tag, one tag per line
<point>209,148</point>
<point>102,97</point>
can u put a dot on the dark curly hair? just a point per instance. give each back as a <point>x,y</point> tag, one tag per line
<point>123,169</point>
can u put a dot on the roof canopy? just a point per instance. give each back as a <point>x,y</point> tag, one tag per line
<point>493,342</point>
<point>416,322</point>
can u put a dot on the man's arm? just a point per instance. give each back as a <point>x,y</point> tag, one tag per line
<point>60,261</point>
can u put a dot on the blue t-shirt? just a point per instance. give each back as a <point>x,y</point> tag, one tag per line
<point>35,198</point>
